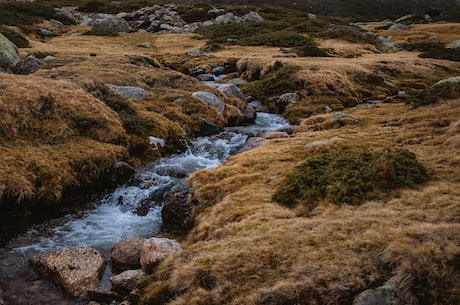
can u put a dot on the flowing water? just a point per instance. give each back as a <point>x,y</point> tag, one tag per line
<point>131,210</point>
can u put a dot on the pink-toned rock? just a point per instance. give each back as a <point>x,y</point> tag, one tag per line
<point>126,254</point>
<point>275,135</point>
<point>154,250</point>
<point>76,270</point>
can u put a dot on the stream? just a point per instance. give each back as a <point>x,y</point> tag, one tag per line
<point>131,210</point>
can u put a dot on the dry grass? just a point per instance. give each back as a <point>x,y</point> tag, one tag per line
<point>245,249</point>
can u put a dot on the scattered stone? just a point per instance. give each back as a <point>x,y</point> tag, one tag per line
<point>154,250</point>
<point>156,141</point>
<point>226,18</point>
<point>76,270</point>
<point>327,109</point>
<point>237,81</point>
<point>340,115</point>
<point>211,99</point>
<point>127,280</point>
<point>57,23</point>
<point>275,135</point>
<point>389,293</point>
<point>398,27</point>
<point>387,42</point>
<point>386,128</point>
<point>197,53</point>
<point>218,70</point>
<point>45,32</point>
<point>135,93</point>
<point>455,44</point>
<point>232,91</point>
<point>49,58</point>
<point>146,44</point>
<point>311,16</point>
<point>126,254</point>
<point>289,98</point>
<point>9,54</point>
<point>111,24</point>
<point>205,77</point>
<point>30,65</point>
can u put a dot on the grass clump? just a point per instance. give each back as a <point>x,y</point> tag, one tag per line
<point>15,37</point>
<point>433,49</point>
<point>350,176</point>
<point>278,79</point>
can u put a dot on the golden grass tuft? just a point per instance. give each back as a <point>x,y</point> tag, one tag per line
<point>246,249</point>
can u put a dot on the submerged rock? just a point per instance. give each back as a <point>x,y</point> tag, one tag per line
<point>76,270</point>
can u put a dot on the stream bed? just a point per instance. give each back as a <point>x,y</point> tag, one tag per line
<point>131,210</point>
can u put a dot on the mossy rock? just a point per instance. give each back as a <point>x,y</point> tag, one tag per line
<point>350,176</point>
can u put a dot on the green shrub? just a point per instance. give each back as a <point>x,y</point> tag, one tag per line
<point>349,176</point>
<point>15,37</point>
<point>276,80</point>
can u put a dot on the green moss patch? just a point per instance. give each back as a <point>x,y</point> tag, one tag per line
<point>350,176</point>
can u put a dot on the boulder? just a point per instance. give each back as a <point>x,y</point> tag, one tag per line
<point>258,106</point>
<point>207,128</point>
<point>30,65</point>
<point>211,99</point>
<point>454,44</point>
<point>154,250</point>
<point>450,80</point>
<point>218,70</point>
<point>249,116</point>
<point>9,54</point>
<point>127,280</point>
<point>76,270</point>
<point>197,53</point>
<point>121,172</point>
<point>232,91</point>
<point>252,143</point>
<point>135,93</point>
<point>126,254</point>
<point>177,209</point>
<point>111,24</point>
<point>389,293</point>
<point>226,18</point>
<point>289,98</point>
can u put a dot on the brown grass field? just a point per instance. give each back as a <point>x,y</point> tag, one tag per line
<point>245,248</point>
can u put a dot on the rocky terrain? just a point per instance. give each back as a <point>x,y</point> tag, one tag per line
<point>92,90</point>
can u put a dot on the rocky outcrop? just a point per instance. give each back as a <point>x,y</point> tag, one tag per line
<point>127,280</point>
<point>126,254</point>
<point>389,293</point>
<point>111,24</point>
<point>211,99</point>
<point>30,65</point>
<point>76,270</point>
<point>154,250</point>
<point>135,93</point>
<point>9,54</point>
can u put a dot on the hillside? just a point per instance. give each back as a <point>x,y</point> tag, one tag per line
<point>369,98</point>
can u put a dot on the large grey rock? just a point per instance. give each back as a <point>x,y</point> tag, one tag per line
<point>30,65</point>
<point>76,270</point>
<point>154,250</point>
<point>211,99</point>
<point>258,106</point>
<point>135,93</point>
<point>126,254</point>
<point>455,44</point>
<point>111,24</point>
<point>207,128</point>
<point>249,116</point>
<point>232,91</point>
<point>127,280</point>
<point>290,97</point>
<point>177,209</point>
<point>9,54</point>
<point>226,18</point>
